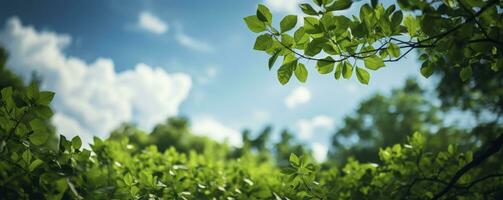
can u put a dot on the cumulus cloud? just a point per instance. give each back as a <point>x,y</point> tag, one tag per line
<point>151,23</point>
<point>193,43</point>
<point>283,6</point>
<point>319,151</point>
<point>299,95</point>
<point>318,124</point>
<point>214,129</point>
<point>92,98</point>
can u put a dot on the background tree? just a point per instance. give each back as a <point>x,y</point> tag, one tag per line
<point>381,121</point>
<point>286,146</point>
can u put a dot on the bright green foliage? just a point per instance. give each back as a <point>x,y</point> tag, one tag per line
<point>373,62</point>
<point>325,66</point>
<point>254,24</point>
<point>362,75</point>
<point>288,23</point>
<point>286,70</point>
<point>263,14</point>
<point>123,168</point>
<point>263,42</point>
<point>450,34</point>
<point>301,72</point>
<point>427,69</point>
<point>347,70</point>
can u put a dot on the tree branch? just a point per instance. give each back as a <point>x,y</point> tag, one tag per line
<point>484,32</point>
<point>493,149</point>
<point>437,37</point>
<point>483,179</point>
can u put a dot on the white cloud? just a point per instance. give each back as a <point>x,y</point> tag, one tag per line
<point>92,98</point>
<point>283,6</point>
<point>193,43</point>
<point>208,126</point>
<point>149,22</point>
<point>319,124</point>
<point>299,95</point>
<point>319,152</point>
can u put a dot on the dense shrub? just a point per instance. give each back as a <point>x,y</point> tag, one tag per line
<point>30,168</point>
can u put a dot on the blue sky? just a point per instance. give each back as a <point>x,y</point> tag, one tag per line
<point>201,52</point>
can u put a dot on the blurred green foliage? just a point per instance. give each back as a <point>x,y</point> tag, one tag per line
<point>382,121</point>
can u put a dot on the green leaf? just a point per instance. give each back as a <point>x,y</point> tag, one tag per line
<point>254,24</point>
<point>273,59</point>
<point>326,65</point>
<point>362,75</point>
<point>38,137</point>
<point>301,72</point>
<point>367,16</point>
<point>339,5</point>
<point>14,156</point>
<point>328,22</point>
<point>26,156</point>
<point>385,25</point>
<point>314,47</point>
<point>307,9</point>
<point>128,179</point>
<point>287,40</point>
<point>37,124</point>
<point>300,36</point>
<point>76,142</point>
<point>45,98</point>
<point>263,42</point>
<point>43,112</point>
<point>393,50</point>
<point>338,71</point>
<point>426,69</point>
<point>342,23</point>
<point>373,62</point>
<point>465,73</point>
<point>412,25</point>
<point>396,19</point>
<point>263,14</point>
<point>288,22</point>
<point>312,25</point>
<point>6,93</point>
<point>347,70</point>
<point>35,164</point>
<point>288,170</point>
<point>32,91</point>
<point>294,160</point>
<point>285,71</point>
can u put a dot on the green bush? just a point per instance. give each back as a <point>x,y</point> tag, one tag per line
<point>30,168</point>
